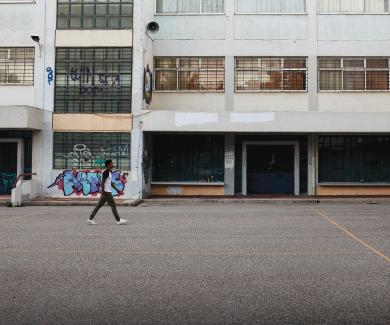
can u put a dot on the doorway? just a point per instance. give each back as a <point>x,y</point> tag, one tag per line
<point>270,168</point>
<point>8,166</point>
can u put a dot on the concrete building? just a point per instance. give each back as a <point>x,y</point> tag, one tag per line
<point>249,96</point>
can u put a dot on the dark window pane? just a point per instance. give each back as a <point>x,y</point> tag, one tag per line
<point>354,80</point>
<point>377,80</point>
<point>188,158</point>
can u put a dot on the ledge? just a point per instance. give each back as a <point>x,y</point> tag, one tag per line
<point>189,183</point>
<point>21,117</point>
<point>331,184</point>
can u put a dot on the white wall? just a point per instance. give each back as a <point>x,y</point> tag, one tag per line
<point>310,35</point>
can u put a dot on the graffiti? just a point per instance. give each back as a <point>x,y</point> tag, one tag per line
<point>92,83</point>
<point>6,182</point>
<point>84,157</point>
<point>50,76</point>
<point>148,85</point>
<point>86,182</point>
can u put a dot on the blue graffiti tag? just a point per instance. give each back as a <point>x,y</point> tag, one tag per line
<point>50,75</point>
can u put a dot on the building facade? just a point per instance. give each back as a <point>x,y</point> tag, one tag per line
<point>250,97</point>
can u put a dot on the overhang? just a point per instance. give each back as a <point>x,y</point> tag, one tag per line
<point>261,122</point>
<point>21,117</point>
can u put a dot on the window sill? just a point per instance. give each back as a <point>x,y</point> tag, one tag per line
<point>353,13</point>
<point>325,184</point>
<point>271,14</point>
<point>190,14</point>
<point>189,183</point>
<point>187,92</point>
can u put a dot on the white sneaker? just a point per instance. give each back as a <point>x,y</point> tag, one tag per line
<point>91,222</point>
<point>122,222</point>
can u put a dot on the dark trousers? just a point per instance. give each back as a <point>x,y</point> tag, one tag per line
<point>106,197</point>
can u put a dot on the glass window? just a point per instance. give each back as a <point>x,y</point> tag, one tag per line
<point>17,66</point>
<point>261,74</point>
<point>271,6</point>
<point>354,6</point>
<point>354,159</point>
<point>189,74</point>
<point>82,150</point>
<point>188,158</point>
<point>189,6</point>
<point>94,14</point>
<point>349,74</point>
<point>90,80</point>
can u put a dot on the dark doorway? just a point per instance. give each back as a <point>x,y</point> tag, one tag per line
<point>270,169</point>
<point>8,166</point>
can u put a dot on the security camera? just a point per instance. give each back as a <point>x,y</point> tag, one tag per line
<point>35,38</point>
<point>153,27</point>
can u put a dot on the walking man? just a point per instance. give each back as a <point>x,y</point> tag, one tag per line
<point>106,189</point>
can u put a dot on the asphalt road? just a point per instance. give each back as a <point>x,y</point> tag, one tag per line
<point>196,264</point>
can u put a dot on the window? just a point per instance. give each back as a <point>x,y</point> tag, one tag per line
<point>262,74</point>
<point>90,80</point>
<point>82,150</point>
<point>353,6</point>
<point>354,74</point>
<point>94,14</point>
<point>189,6</point>
<point>189,74</point>
<point>17,66</point>
<point>271,6</point>
<point>354,159</point>
<point>188,158</point>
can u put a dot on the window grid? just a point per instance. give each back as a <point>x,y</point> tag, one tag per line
<point>189,74</point>
<point>94,14</point>
<point>93,80</point>
<point>188,158</point>
<point>354,74</point>
<point>271,7</point>
<point>82,150</point>
<point>177,7</point>
<point>17,66</point>
<point>354,7</point>
<point>354,159</point>
<point>270,74</point>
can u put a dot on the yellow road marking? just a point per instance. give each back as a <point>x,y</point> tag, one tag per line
<point>181,253</point>
<point>352,235</point>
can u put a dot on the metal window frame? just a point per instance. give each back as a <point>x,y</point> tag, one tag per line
<point>282,69</point>
<point>94,3</point>
<point>125,97</point>
<point>364,12</point>
<point>177,13</point>
<point>344,69</point>
<point>25,62</point>
<point>257,12</point>
<point>178,69</point>
<point>93,136</point>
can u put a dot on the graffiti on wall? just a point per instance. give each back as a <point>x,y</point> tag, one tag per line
<point>92,83</point>
<point>87,182</point>
<point>50,75</point>
<point>84,157</point>
<point>6,182</point>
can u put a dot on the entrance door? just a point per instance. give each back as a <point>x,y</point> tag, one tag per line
<point>8,166</point>
<point>270,169</point>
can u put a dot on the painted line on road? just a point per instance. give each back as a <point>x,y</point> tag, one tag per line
<point>184,253</point>
<point>352,235</point>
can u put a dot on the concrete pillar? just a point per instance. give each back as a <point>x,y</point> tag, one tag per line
<point>312,56</point>
<point>312,164</point>
<point>229,163</point>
